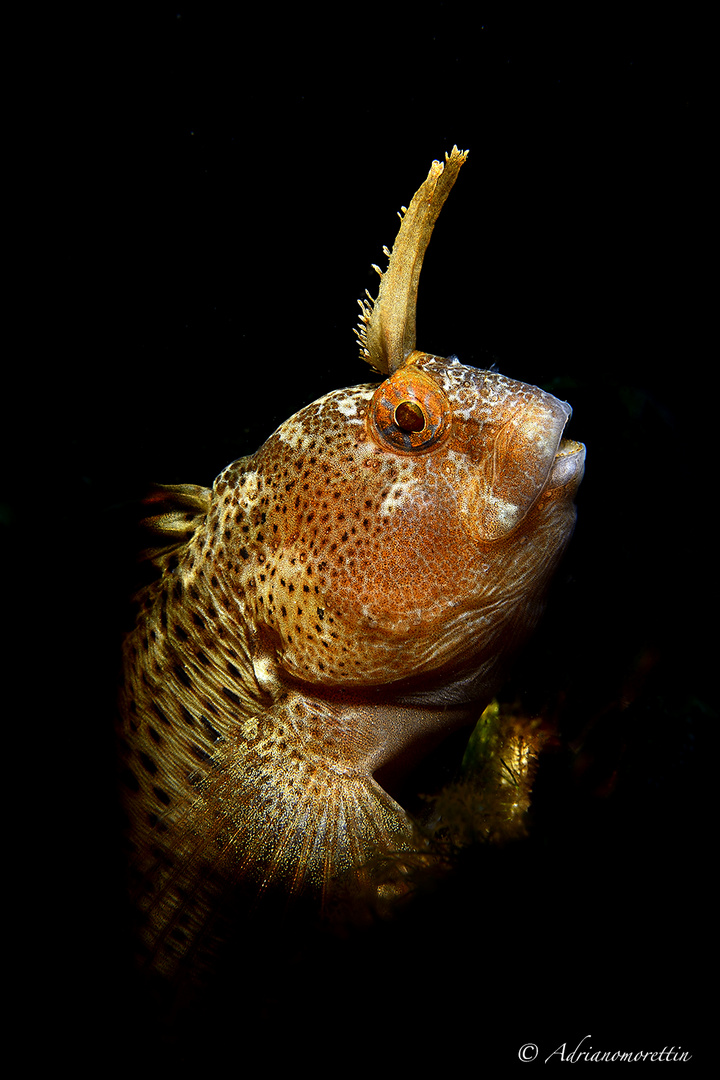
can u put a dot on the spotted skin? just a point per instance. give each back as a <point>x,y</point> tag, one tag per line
<point>337,605</point>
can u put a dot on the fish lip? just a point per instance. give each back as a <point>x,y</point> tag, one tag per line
<point>568,465</point>
<point>568,446</point>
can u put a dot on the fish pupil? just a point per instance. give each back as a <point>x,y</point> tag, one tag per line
<point>409,416</point>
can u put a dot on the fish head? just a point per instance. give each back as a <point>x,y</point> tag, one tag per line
<point>401,533</point>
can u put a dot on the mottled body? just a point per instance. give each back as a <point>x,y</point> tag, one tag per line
<point>339,603</point>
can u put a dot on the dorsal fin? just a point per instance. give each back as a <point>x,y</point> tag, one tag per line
<point>386,330</point>
<point>179,511</point>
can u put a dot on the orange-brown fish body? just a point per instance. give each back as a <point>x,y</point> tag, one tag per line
<point>338,604</point>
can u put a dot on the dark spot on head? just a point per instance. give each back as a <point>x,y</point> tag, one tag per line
<point>231,696</point>
<point>183,676</point>
<point>147,763</point>
<point>160,714</point>
<point>129,779</point>
<point>212,732</point>
<point>200,755</point>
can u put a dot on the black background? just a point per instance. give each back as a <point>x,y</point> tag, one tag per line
<point>221,187</point>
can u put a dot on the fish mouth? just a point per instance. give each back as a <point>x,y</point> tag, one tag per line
<point>568,465</point>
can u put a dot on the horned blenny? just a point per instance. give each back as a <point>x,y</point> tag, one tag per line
<point>328,613</point>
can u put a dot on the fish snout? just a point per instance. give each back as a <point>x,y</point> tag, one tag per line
<point>522,458</point>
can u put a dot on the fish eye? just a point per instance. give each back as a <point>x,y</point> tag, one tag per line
<point>409,411</point>
<point>409,416</point>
